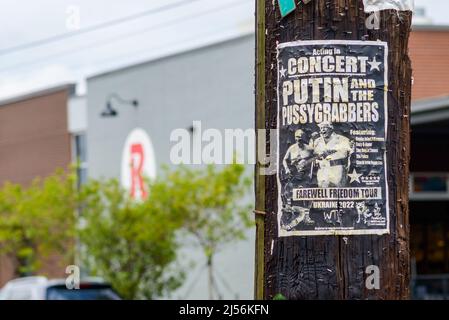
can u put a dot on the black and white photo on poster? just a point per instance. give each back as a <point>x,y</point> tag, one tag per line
<point>332,130</point>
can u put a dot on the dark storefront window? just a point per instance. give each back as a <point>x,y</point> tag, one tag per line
<point>429,244</point>
<point>430,248</point>
<point>80,145</point>
<point>429,210</point>
<point>430,183</point>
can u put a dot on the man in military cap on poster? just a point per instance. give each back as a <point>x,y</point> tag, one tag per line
<point>334,153</point>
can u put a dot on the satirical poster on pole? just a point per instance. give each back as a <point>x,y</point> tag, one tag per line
<point>332,130</point>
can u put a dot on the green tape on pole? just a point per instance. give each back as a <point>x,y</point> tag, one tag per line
<point>286,6</point>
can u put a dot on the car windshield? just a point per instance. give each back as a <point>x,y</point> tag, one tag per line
<point>90,292</point>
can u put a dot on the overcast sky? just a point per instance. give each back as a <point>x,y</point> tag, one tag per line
<point>167,27</point>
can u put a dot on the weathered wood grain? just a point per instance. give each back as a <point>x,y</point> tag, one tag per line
<point>333,267</point>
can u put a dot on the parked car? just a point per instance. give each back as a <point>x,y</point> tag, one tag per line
<point>41,288</point>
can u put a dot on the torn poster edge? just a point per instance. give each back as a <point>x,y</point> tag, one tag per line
<point>379,5</point>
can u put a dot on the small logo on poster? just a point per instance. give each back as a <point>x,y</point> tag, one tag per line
<point>138,163</point>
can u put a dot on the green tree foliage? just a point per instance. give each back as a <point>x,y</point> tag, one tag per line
<point>37,220</point>
<point>130,244</point>
<point>133,245</point>
<point>212,205</point>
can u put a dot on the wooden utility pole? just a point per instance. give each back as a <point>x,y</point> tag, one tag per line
<point>334,266</point>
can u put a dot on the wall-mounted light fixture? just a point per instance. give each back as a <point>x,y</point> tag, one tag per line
<point>110,111</point>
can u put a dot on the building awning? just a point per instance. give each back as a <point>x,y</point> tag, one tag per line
<point>430,110</point>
